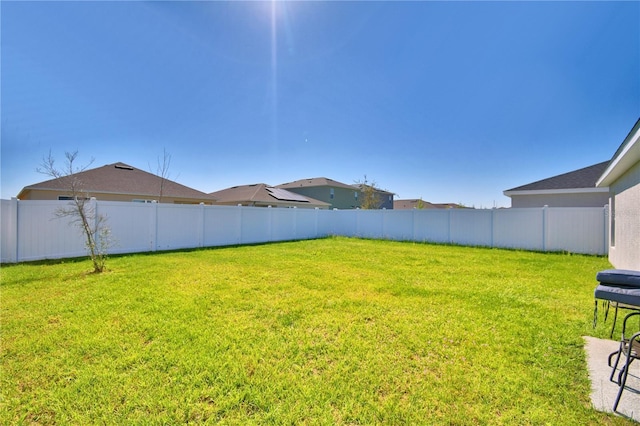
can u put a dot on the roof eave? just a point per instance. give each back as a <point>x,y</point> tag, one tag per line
<point>624,160</point>
<point>510,193</point>
<point>129,194</point>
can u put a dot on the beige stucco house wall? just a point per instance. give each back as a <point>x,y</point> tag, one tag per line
<point>598,197</point>
<point>54,194</point>
<point>623,178</point>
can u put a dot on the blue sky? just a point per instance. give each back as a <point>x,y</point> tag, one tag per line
<point>448,101</point>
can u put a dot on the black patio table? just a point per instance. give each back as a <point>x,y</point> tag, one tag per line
<point>621,287</point>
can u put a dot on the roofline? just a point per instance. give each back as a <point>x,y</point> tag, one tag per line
<point>625,157</point>
<point>291,203</point>
<point>510,193</point>
<point>378,190</point>
<point>65,190</point>
<point>330,183</point>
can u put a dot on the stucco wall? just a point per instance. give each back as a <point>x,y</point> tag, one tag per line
<point>625,251</point>
<point>560,200</point>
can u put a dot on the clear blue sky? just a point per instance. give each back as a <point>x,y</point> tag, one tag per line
<point>448,101</point>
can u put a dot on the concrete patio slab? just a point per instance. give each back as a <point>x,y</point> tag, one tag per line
<point>603,391</point>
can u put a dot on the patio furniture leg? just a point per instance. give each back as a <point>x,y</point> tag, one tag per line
<point>615,318</point>
<point>629,351</point>
<point>632,355</point>
<point>614,366</point>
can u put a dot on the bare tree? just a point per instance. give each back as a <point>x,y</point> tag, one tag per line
<point>80,209</point>
<point>162,171</point>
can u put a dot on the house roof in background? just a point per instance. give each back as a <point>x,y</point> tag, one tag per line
<point>360,186</point>
<point>581,179</point>
<point>626,156</point>
<point>263,194</point>
<point>121,178</point>
<point>318,181</point>
<point>415,203</point>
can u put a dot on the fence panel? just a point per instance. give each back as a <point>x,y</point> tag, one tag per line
<point>30,230</point>
<point>42,235</point>
<point>256,225</point>
<point>306,223</point>
<point>8,224</point>
<point>519,228</point>
<point>398,225</point>
<point>343,222</point>
<point>222,226</point>
<point>572,229</point>
<point>178,226</point>
<point>369,224</point>
<point>325,223</point>
<point>132,225</point>
<point>471,227</point>
<point>283,224</point>
<point>431,225</point>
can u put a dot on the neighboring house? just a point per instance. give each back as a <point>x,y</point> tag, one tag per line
<point>117,182</point>
<point>262,195</point>
<point>421,204</point>
<point>384,199</point>
<point>573,189</point>
<point>338,195</point>
<point>622,177</point>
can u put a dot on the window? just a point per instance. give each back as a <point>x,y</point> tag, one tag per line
<point>68,198</point>
<point>139,200</point>
<point>331,193</point>
<point>355,194</point>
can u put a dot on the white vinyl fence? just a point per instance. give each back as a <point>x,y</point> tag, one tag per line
<point>30,230</point>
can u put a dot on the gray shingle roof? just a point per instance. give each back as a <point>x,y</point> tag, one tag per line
<point>415,203</point>
<point>263,194</point>
<point>577,179</point>
<point>120,178</point>
<point>319,181</point>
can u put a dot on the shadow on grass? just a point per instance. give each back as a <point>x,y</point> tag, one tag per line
<point>59,261</point>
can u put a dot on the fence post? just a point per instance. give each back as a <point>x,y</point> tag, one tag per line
<point>270,223</point>
<point>413,224</point>
<point>12,228</point>
<point>295,222</point>
<point>605,236</point>
<point>201,226</point>
<point>493,226</point>
<point>94,208</point>
<point>545,210</point>
<point>153,226</point>
<point>240,223</point>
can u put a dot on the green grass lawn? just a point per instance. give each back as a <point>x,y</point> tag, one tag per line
<point>329,331</point>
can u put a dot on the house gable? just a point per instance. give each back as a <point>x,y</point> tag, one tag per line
<point>118,182</point>
<point>572,189</point>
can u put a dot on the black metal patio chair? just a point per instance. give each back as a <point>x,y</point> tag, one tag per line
<point>629,351</point>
